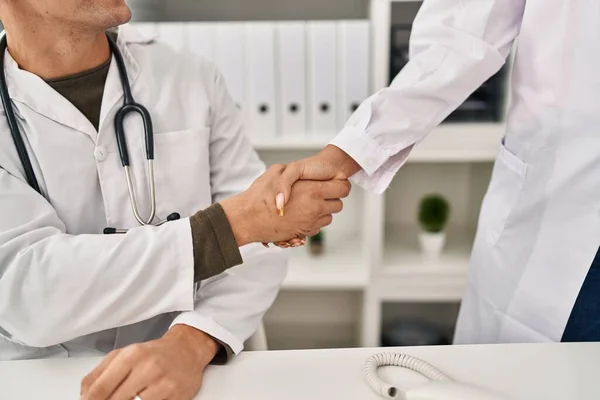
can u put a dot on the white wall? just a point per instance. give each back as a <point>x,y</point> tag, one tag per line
<point>232,10</point>
<point>146,10</point>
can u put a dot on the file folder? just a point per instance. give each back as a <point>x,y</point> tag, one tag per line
<point>322,55</point>
<point>353,67</point>
<point>201,39</point>
<point>173,34</point>
<point>291,63</point>
<point>230,59</point>
<point>260,81</point>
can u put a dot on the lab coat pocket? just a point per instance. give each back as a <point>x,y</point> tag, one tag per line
<point>503,193</point>
<point>182,171</point>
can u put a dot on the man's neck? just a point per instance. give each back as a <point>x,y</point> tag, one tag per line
<point>55,53</point>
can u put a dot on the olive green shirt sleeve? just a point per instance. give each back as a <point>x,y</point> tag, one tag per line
<point>215,250</point>
<point>215,247</point>
<point>224,355</point>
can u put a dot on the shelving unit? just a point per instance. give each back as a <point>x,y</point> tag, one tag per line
<point>293,143</point>
<point>469,142</point>
<point>342,267</point>
<point>380,262</point>
<point>399,273</point>
<point>402,254</point>
<point>407,275</point>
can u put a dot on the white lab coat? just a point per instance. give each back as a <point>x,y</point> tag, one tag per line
<point>68,290</point>
<point>539,226</point>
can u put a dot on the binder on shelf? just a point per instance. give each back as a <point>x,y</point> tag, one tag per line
<point>173,34</point>
<point>260,52</point>
<point>322,54</point>
<point>201,39</point>
<point>291,63</point>
<point>230,59</point>
<point>353,67</point>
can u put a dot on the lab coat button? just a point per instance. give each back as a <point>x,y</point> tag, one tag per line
<point>100,153</point>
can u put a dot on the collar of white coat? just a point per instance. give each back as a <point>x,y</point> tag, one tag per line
<point>32,91</point>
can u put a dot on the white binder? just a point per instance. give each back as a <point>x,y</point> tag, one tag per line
<point>230,59</point>
<point>353,67</point>
<point>291,62</point>
<point>201,39</point>
<point>322,55</point>
<point>261,107</point>
<point>173,34</point>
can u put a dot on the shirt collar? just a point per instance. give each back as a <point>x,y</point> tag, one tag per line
<point>32,91</point>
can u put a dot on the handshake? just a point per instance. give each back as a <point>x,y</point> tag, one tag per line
<point>291,202</point>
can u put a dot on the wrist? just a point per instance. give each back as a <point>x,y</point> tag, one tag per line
<point>235,210</point>
<point>340,159</point>
<point>201,344</point>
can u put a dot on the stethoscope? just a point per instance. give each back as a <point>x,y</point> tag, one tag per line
<point>129,106</point>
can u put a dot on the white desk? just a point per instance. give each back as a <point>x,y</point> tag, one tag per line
<point>526,372</point>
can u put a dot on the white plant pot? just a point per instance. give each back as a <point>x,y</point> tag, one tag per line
<point>432,244</point>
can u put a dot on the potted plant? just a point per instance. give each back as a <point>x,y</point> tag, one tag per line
<point>316,244</point>
<point>434,212</point>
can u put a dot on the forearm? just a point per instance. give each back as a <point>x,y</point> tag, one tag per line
<point>455,47</point>
<point>92,282</point>
<point>204,347</point>
<point>342,160</point>
<point>231,306</point>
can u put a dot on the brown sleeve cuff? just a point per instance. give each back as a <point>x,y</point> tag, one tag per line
<point>215,247</point>
<point>223,355</point>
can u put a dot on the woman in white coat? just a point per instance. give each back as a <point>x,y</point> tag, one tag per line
<point>539,228</point>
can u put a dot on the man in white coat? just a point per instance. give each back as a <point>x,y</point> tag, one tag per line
<point>534,275</point>
<point>163,301</point>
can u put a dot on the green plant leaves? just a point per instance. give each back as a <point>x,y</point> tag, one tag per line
<point>434,212</point>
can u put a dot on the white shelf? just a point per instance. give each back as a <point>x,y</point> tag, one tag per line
<point>341,267</point>
<point>452,142</point>
<point>457,142</point>
<point>299,142</point>
<point>406,275</point>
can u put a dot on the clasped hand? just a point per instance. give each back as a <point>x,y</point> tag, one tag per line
<point>290,202</point>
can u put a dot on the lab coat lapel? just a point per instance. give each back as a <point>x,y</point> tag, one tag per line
<point>113,90</point>
<point>32,91</point>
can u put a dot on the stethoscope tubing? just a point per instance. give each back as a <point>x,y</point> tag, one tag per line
<point>129,107</point>
<point>12,123</point>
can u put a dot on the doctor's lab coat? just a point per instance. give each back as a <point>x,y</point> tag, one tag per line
<point>539,227</point>
<point>68,290</point>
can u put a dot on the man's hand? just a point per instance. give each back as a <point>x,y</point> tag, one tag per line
<point>253,216</point>
<point>168,368</point>
<point>330,163</point>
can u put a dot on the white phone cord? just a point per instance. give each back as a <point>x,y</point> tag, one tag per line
<point>401,360</point>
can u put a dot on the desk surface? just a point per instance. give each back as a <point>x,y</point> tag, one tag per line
<point>524,372</point>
